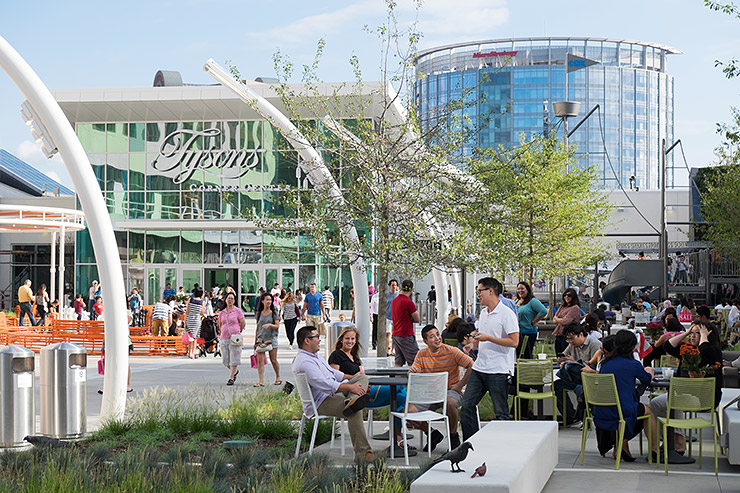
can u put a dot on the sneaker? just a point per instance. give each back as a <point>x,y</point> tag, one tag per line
<point>290,346</point>
<point>357,404</point>
<point>454,441</point>
<point>433,440</point>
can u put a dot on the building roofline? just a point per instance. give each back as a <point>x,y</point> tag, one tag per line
<point>668,49</point>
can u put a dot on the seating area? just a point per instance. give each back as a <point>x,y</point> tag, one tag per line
<point>86,333</point>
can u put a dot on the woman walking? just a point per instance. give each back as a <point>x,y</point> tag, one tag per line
<point>290,313</point>
<point>42,304</point>
<point>193,319</point>
<point>569,312</point>
<point>529,311</point>
<point>231,322</point>
<point>265,340</point>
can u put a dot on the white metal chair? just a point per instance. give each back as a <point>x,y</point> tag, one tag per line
<point>304,391</point>
<point>425,388</point>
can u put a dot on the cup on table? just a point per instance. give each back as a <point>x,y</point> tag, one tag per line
<point>542,355</point>
<point>668,373</point>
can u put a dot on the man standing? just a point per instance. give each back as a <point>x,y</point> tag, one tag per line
<point>25,301</point>
<point>135,302</point>
<point>374,302</point>
<point>432,295</point>
<point>498,337</point>
<point>168,292</point>
<point>439,357</point>
<point>92,293</point>
<point>313,312</point>
<point>405,315</point>
<point>392,293</point>
<point>328,303</point>
<point>331,395</point>
<point>581,349</point>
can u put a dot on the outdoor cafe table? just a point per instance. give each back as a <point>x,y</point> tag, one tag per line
<point>385,376</point>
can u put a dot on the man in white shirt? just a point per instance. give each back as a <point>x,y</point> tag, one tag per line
<point>498,337</point>
<point>328,302</point>
<point>374,301</point>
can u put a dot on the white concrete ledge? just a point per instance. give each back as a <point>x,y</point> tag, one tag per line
<point>520,457</point>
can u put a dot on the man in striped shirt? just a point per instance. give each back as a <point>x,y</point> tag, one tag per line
<point>435,358</point>
<point>161,319</point>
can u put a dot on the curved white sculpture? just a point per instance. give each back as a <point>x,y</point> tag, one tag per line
<point>96,213</point>
<point>312,164</point>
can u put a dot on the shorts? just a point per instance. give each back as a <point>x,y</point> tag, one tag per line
<point>316,321</point>
<point>388,326</point>
<point>232,355</point>
<point>406,349</point>
<point>433,407</point>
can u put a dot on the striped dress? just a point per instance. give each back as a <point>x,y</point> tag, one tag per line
<point>192,320</point>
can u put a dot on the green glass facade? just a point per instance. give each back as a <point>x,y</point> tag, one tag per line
<point>169,187</point>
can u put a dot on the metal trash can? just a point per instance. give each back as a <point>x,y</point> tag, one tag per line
<point>17,412</point>
<point>332,334</point>
<point>63,390</point>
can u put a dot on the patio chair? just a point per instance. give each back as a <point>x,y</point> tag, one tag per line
<point>304,391</point>
<point>601,390</point>
<point>691,395</point>
<point>424,388</point>
<point>536,373</point>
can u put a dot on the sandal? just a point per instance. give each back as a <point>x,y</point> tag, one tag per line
<point>258,385</point>
<point>230,382</point>
<point>278,382</point>
<point>400,445</point>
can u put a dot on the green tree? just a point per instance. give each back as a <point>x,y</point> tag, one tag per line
<point>543,215</point>
<point>399,188</point>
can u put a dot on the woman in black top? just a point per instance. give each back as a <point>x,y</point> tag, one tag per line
<point>346,358</point>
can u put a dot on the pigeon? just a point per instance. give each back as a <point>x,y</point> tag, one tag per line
<point>480,470</point>
<point>41,441</point>
<point>455,456</point>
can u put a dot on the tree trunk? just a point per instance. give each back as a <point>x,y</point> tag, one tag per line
<point>382,290</point>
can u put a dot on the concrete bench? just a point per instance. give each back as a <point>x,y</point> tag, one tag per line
<point>520,457</point>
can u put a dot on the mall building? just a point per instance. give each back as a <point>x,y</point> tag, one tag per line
<point>514,83</point>
<point>190,174</point>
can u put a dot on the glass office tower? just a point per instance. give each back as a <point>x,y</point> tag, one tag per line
<point>517,80</point>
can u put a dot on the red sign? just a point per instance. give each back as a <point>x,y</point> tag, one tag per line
<point>480,54</point>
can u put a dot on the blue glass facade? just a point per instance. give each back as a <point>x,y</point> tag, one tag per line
<point>517,80</point>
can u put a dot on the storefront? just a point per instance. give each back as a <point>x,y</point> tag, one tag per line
<point>192,177</point>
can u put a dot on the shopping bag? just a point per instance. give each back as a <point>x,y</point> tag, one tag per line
<point>187,338</point>
<point>101,365</point>
<point>253,359</point>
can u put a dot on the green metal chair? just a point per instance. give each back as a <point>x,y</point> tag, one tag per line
<point>601,390</point>
<point>533,372</point>
<point>691,395</point>
<point>668,361</point>
<point>450,342</point>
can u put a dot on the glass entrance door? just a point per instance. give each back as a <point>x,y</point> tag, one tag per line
<point>250,284</point>
<point>282,275</point>
<point>221,278</point>
<point>157,279</point>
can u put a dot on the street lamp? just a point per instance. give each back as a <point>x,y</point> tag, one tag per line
<point>565,110</point>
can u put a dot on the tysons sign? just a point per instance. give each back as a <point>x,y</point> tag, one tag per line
<point>178,159</point>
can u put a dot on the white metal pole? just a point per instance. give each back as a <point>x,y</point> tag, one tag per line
<point>61,273</point>
<point>96,214</point>
<point>312,164</point>
<point>443,303</point>
<point>52,269</point>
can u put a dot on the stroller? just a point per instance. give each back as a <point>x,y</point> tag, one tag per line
<point>208,340</point>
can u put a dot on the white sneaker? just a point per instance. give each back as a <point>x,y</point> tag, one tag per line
<point>290,346</point>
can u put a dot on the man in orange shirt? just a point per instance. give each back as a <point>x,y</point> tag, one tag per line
<point>435,358</point>
<point>25,301</point>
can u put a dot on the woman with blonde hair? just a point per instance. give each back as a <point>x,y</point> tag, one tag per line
<point>290,314</point>
<point>346,358</point>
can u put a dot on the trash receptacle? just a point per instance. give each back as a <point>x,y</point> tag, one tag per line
<point>17,413</point>
<point>63,390</point>
<point>333,333</point>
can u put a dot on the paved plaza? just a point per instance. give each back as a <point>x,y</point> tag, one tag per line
<point>596,474</point>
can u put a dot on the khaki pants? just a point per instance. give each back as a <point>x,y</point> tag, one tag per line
<point>159,325</point>
<point>334,405</point>
<point>316,321</point>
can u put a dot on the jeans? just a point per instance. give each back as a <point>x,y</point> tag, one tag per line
<point>290,329</point>
<point>26,308</point>
<point>375,330</point>
<point>566,381</point>
<point>496,384</point>
<point>560,344</point>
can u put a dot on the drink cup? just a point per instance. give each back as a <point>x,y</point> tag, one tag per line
<point>668,373</point>
<point>542,355</point>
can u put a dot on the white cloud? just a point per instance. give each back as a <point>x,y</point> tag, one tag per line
<point>465,20</point>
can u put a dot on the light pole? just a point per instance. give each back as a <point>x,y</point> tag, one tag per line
<point>663,247</point>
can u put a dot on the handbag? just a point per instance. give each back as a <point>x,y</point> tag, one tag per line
<point>264,346</point>
<point>253,359</point>
<point>101,365</point>
<point>187,338</point>
<point>297,311</point>
<point>236,340</point>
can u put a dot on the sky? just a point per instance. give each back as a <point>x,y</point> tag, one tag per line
<point>93,44</point>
